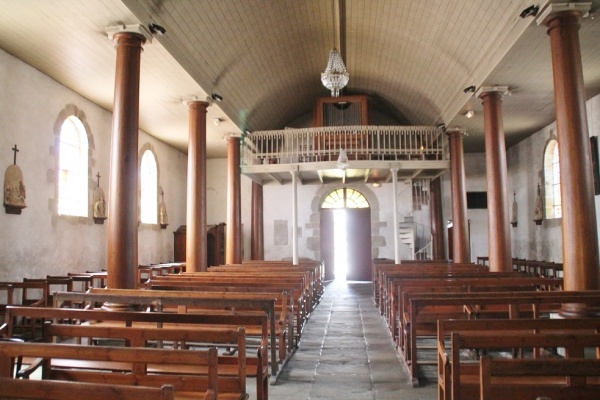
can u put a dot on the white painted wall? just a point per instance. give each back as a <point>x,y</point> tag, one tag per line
<point>278,207</point>
<point>39,242</point>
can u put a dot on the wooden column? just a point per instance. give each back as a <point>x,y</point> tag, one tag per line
<point>579,235</point>
<point>438,250</point>
<point>124,167</point>
<point>196,251</point>
<point>257,245</point>
<point>499,244</point>
<point>460,227</point>
<point>233,246</point>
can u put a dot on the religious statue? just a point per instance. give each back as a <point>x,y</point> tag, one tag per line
<point>514,218</point>
<point>14,188</point>
<point>100,208</point>
<point>538,214</point>
<point>99,204</point>
<point>163,218</point>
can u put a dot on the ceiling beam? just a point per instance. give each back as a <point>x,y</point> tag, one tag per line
<point>276,178</point>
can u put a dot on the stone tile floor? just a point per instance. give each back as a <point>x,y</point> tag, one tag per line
<point>346,352</point>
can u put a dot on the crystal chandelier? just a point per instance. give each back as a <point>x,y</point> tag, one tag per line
<point>342,161</point>
<point>335,77</point>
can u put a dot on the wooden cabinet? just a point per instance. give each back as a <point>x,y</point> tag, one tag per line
<point>215,244</point>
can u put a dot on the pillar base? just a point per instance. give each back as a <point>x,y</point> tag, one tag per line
<point>579,310</point>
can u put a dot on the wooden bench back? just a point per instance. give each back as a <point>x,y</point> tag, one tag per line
<point>63,390</point>
<point>132,365</point>
<point>567,378</point>
<point>574,345</point>
<point>219,300</point>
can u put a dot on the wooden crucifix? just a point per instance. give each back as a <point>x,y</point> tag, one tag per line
<point>15,150</point>
<point>98,176</point>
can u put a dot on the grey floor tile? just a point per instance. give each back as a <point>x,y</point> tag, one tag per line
<point>346,352</point>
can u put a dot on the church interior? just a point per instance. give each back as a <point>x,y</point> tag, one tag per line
<point>336,179</point>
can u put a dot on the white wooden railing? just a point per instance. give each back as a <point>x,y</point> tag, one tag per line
<point>360,142</point>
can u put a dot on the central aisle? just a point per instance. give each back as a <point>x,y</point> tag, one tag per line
<point>346,352</point>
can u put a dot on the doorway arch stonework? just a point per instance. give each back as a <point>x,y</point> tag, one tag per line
<point>314,225</point>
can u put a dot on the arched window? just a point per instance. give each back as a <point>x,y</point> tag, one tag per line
<point>345,198</point>
<point>552,200</point>
<point>73,169</point>
<point>149,188</point>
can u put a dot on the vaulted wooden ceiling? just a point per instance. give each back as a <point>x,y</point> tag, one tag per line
<point>414,58</point>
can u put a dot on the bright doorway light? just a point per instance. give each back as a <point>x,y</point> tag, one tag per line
<point>340,245</point>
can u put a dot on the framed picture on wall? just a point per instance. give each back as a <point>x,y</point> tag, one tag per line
<point>595,164</point>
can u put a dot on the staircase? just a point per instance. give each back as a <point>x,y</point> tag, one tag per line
<point>414,236</point>
<point>406,233</point>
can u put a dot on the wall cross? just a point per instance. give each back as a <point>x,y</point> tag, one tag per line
<point>15,150</point>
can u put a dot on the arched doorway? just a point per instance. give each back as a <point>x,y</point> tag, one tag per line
<point>346,235</point>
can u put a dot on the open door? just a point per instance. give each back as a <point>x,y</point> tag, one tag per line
<point>346,240</point>
<point>358,237</point>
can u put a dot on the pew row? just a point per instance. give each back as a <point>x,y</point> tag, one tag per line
<point>184,301</point>
<point>442,284</point>
<point>526,326</point>
<point>64,390</point>
<point>296,305</point>
<point>123,366</point>
<point>460,380</point>
<point>256,364</point>
<point>231,368</point>
<point>427,309</point>
<point>524,379</point>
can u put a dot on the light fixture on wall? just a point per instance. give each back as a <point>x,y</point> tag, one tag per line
<point>469,114</point>
<point>342,161</point>
<point>335,77</point>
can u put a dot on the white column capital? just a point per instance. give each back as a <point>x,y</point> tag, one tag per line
<point>553,8</point>
<point>111,30</point>
<point>503,90</point>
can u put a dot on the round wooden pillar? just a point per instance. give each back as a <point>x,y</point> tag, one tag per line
<point>257,246</point>
<point>196,252</point>
<point>124,167</point>
<point>438,250</point>
<point>233,247</point>
<point>499,244</point>
<point>460,227</point>
<point>579,234</point>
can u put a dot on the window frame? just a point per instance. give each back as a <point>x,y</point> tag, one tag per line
<point>77,175</point>
<point>148,216</point>
<point>552,183</point>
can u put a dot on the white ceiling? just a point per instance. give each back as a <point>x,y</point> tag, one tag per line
<point>414,58</point>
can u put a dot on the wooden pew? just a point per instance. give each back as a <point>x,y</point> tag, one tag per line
<point>315,271</point>
<point>381,271</point>
<point>296,304</point>
<point>26,293</point>
<point>558,379</point>
<point>300,281</point>
<point>255,366</point>
<point>465,375</point>
<point>64,390</point>
<point>390,273</point>
<point>427,309</point>
<point>231,369</point>
<point>470,283</point>
<point>526,326</point>
<point>195,300</point>
<point>123,366</point>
